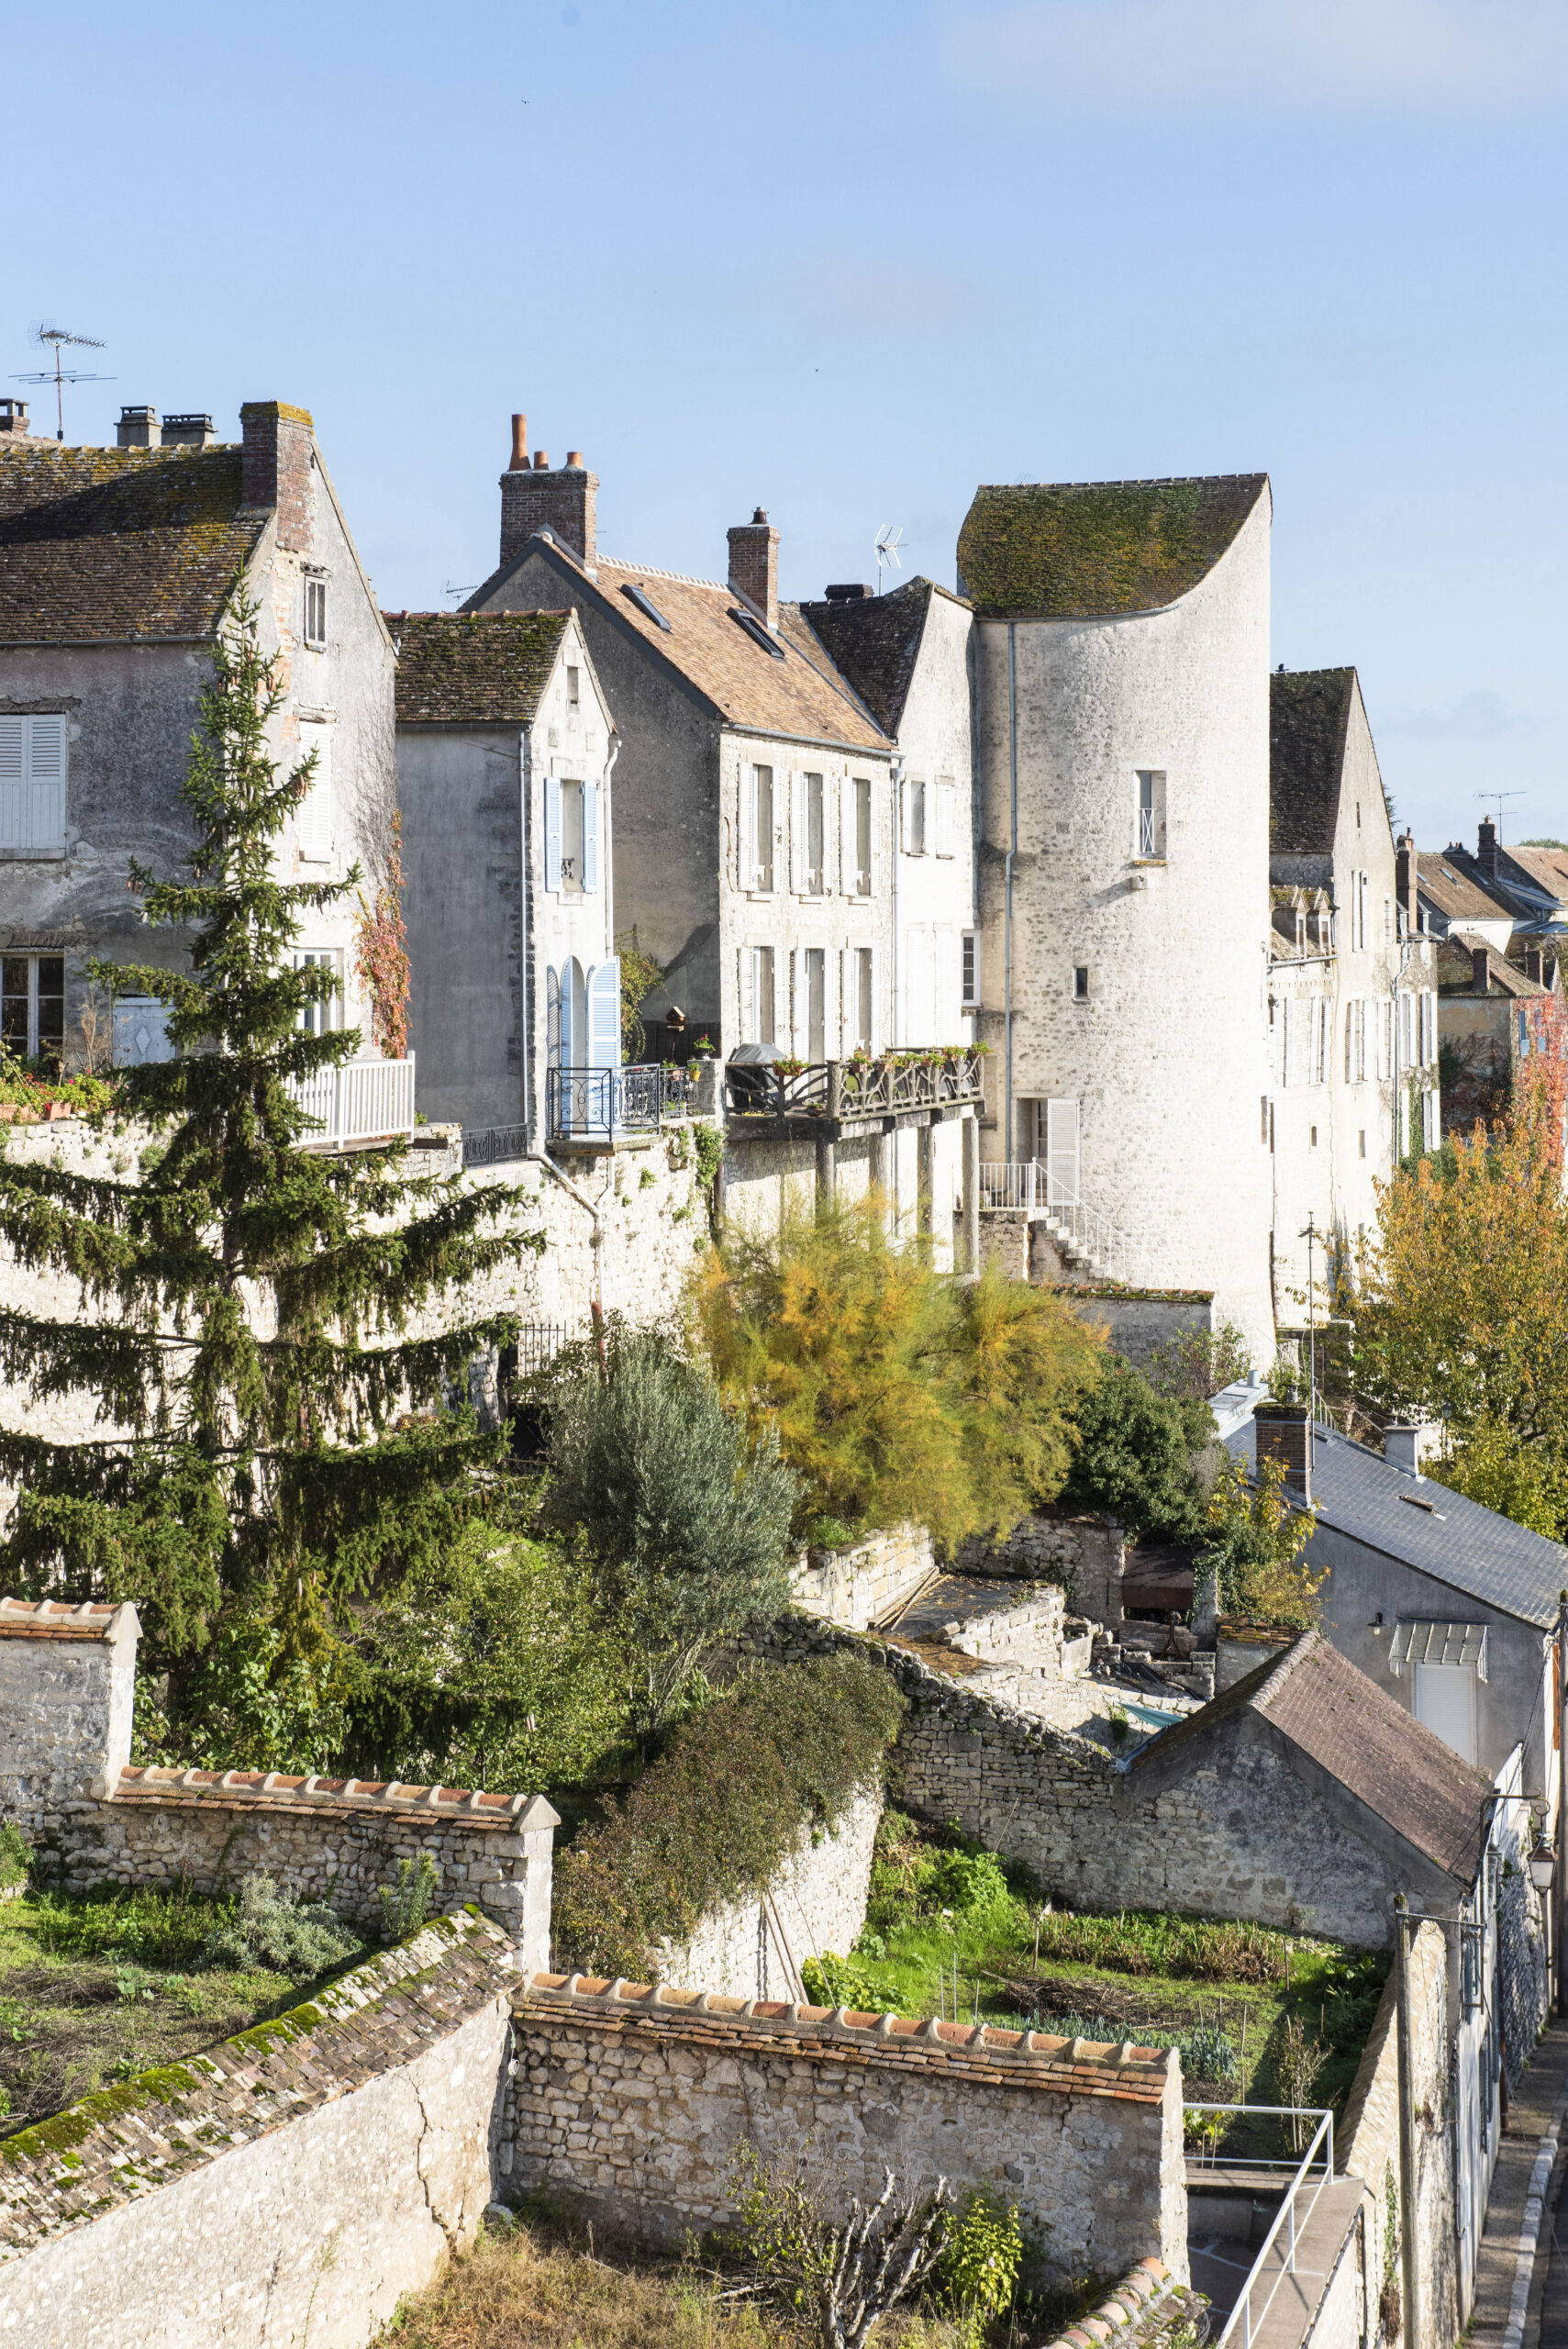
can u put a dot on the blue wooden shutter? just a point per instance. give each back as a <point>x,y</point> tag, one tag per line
<point>13,782</point>
<point>604,1014</point>
<point>552,831</point>
<point>590,835</point>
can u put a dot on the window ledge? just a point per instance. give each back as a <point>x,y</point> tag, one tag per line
<point>34,855</point>
<point>1143,864</point>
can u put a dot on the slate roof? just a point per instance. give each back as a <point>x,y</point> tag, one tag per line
<point>1309,716</point>
<point>1535,893</point>
<point>1506,978</point>
<point>875,643</point>
<point>1457,894</point>
<point>1079,550</point>
<point>102,544</point>
<point>1468,1548</point>
<point>801,696</point>
<point>474,668</point>
<point>1547,867</point>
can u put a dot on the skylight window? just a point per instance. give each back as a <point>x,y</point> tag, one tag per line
<point>756,631</point>
<point>646,605</point>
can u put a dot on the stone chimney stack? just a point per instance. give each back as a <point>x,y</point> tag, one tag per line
<point>754,567</point>
<point>1486,848</point>
<point>13,419</point>
<point>1406,872</point>
<point>534,499</point>
<point>1535,965</point>
<point>138,429</point>
<point>1480,969</point>
<point>279,455</point>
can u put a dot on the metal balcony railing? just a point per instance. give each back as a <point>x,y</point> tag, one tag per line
<point>599,1104</point>
<point>1277,2253</point>
<point>361,1101</point>
<point>1080,1228</point>
<point>854,1088</point>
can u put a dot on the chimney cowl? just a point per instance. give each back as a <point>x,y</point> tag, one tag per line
<point>542,460</point>
<point>847,591</point>
<point>519,445</point>
<point>138,429</point>
<point>574,460</point>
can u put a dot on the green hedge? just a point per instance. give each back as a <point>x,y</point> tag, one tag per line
<point>784,1750</point>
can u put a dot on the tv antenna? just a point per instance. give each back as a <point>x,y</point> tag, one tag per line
<point>56,339</point>
<point>888,541</point>
<point>450,589</point>
<point>1499,796</point>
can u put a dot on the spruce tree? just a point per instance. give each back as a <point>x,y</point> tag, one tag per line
<point>270,1436</point>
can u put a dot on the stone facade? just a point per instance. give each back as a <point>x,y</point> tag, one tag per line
<point>866,1581</point>
<point>815,1901</point>
<point>67,1681</point>
<point>635,2106</point>
<point>291,2184</point>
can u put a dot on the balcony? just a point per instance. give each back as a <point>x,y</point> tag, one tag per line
<point>594,1108</point>
<point>835,1100</point>
<point>364,1101</point>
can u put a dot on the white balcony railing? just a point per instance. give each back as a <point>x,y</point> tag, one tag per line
<point>1072,1222</point>
<point>361,1101</point>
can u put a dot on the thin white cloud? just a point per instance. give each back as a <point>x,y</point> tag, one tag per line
<point>1463,56</point>
<point>1473,718</point>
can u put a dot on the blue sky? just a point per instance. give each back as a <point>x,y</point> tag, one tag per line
<point>849,260</point>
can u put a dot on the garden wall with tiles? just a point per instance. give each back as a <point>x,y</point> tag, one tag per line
<point>816,1900</point>
<point>293,2184</point>
<point>634,2104</point>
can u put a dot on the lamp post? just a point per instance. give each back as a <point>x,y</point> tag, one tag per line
<point>1543,1867</point>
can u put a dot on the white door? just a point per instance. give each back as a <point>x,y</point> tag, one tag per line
<point>1445,1703</point>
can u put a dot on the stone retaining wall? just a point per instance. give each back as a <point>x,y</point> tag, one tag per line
<point>1367,2145</point>
<point>1087,1555</point>
<point>292,2185</point>
<point>866,1581</point>
<point>635,2105</point>
<point>1136,1325</point>
<point>751,1948</point>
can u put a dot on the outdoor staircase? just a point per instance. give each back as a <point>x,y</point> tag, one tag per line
<point>1088,1243</point>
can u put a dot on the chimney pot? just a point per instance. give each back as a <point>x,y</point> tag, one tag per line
<point>519,444</point>
<point>574,460</point>
<point>754,567</point>
<point>193,431</point>
<point>541,461</point>
<point>847,591</point>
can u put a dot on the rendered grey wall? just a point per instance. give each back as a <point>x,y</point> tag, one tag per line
<point>461,793</point>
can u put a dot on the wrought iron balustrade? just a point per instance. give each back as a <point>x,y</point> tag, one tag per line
<point>846,1090</point>
<point>599,1104</point>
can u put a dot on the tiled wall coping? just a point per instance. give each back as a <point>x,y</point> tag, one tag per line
<point>276,1791</point>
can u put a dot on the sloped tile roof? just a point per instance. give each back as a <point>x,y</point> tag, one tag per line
<point>474,668</point>
<point>1506,978</point>
<point>1457,893</point>
<point>1077,550</point>
<point>1310,715</point>
<point>875,642</point>
<point>801,696</point>
<point>109,544</point>
<point>1547,867</point>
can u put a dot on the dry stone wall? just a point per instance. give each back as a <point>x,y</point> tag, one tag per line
<point>634,2104</point>
<point>866,1581</point>
<point>293,2184</point>
<point>67,1680</point>
<point>1087,1555</point>
<point>816,1901</point>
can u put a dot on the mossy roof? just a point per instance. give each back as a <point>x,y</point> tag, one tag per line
<point>875,641</point>
<point>474,668</point>
<point>1083,550</point>
<point>110,544</point>
<point>1309,717</point>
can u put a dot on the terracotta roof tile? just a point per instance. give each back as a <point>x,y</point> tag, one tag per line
<point>1457,893</point>
<point>109,544</point>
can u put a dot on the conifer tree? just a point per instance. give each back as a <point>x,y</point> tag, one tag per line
<point>271,1433</point>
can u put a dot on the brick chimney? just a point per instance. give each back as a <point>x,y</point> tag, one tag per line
<point>533,499</point>
<point>1480,969</point>
<point>1535,965</point>
<point>1407,874</point>
<point>1486,848</point>
<point>276,466</point>
<point>1284,1433</point>
<point>754,567</point>
<point>13,419</point>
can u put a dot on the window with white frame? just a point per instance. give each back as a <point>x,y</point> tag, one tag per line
<point>1430,1136</point>
<point>944,841</point>
<point>1384,1039</point>
<point>314,820</point>
<point>572,837</point>
<point>322,1017</point>
<point>758,834</point>
<point>315,611</point>
<point>1428,1027</point>
<point>1150,813</point>
<point>32,783</point>
<point>32,1004</point>
<point>1319,1039</point>
<point>970,968</point>
<point>573,687</point>
<point>859,829</point>
<point>812,845</point>
<point>814,1003</point>
<point>914,817</point>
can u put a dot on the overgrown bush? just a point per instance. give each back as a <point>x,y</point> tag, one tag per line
<point>982,2250</point>
<point>1135,1455</point>
<point>407,1901</point>
<point>784,1750</point>
<point>834,1981</point>
<point>913,1876</point>
<point>15,1854</point>
<point>896,1391</point>
<point>1253,1548</point>
<point>271,1928</point>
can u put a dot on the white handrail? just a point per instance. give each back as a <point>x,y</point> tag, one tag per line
<point>360,1101</point>
<point>1287,2216</point>
<point>1024,1183</point>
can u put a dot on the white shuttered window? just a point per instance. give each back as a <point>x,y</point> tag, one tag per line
<point>32,785</point>
<point>316,814</point>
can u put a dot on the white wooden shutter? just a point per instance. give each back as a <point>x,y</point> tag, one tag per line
<point>13,784</point>
<point>571,987</point>
<point>141,1031</point>
<point>45,813</point>
<point>552,835</point>
<point>604,1014</point>
<point>1062,1153</point>
<point>746,831</point>
<point>944,818</point>
<point>590,835</point>
<point>316,815</point>
<point>797,832</point>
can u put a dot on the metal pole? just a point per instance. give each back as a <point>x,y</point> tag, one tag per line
<point>1012,851</point>
<point>1407,2126</point>
<point>1560,1877</point>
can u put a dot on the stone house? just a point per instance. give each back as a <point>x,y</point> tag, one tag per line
<point>1502,1024</point>
<point>1352,1009</point>
<point>505,748</point>
<point>117,566</point>
<point>1530,880</point>
<point>1449,899</point>
<point>1447,1608</point>
<point>1121,694</point>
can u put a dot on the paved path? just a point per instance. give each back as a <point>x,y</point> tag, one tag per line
<point>1521,2276</point>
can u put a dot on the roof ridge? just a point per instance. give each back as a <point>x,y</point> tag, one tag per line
<point>1149,481</point>
<point>652,570</point>
<point>1306,1643</point>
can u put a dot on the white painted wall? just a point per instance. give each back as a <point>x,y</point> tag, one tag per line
<point>935,887</point>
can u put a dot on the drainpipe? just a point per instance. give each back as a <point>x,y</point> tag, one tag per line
<point>897,770</point>
<point>1012,851</point>
<point>1407,2125</point>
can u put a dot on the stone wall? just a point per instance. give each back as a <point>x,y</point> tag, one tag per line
<point>634,2104</point>
<point>1228,1828</point>
<point>291,2184</point>
<point>1031,1632</point>
<point>866,1581</point>
<point>817,1901</point>
<point>67,1677</point>
<point>1138,1322</point>
<point>1367,2144</point>
<point>1088,1555</point>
